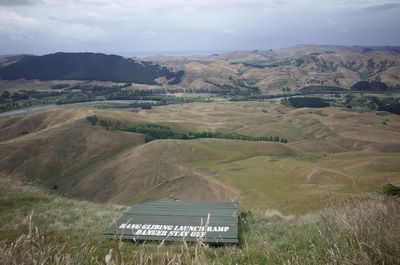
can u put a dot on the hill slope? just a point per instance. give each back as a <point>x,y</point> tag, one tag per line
<point>42,228</point>
<point>87,66</point>
<point>329,156</point>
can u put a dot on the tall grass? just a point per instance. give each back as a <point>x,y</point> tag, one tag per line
<point>34,248</point>
<point>38,228</point>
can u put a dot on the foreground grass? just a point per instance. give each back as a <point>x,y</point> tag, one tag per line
<point>40,228</point>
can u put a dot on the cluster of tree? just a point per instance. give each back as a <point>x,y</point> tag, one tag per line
<point>162,91</point>
<point>374,68</point>
<point>161,99</point>
<point>23,94</point>
<point>259,97</point>
<point>265,63</point>
<point>15,96</point>
<point>307,102</point>
<point>352,65</point>
<point>156,131</point>
<point>324,52</point>
<point>370,86</point>
<point>9,106</point>
<point>391,190</point>
<point>92,119</point>
<point>314,81</point>
<point>320,89</point>
<point>88,66</point>
<point>25,98</point>
<point>86,86</point>
<point>324,65</point>
<point>391,105</point>
<point>254,63</point>
<point>75,97</point>
<point>60,86</point>
<point>336,81</point>
<point>298,62</point>
<point>248,84</point>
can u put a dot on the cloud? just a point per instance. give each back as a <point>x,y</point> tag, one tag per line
<point>379,8</point>
<point>154,25</point>
<point>150,32</point>
<point>18,2</point>
<point>229,31</point>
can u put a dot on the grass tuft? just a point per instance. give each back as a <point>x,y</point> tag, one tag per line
<point>55,230</point>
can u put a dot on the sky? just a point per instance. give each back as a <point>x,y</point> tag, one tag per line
<point>149,27</point>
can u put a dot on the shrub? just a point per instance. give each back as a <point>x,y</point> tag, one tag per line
<point>92,119</point>
<point>391,190</point>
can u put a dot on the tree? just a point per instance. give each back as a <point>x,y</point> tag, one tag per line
<point>5,95</point>
<point>92,119</point>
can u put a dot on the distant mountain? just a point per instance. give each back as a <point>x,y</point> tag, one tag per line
<point>289,69</point>
<point>88,66</point>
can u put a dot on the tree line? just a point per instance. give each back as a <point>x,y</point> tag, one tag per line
<point>156,131</point>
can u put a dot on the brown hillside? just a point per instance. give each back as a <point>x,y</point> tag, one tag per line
<point>59,149</point>
<point>327,65</point>
<point>332,153</point>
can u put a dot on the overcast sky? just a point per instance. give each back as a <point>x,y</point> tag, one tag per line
<point>130,27</point>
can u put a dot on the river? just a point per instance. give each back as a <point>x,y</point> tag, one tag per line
<point>53,106</point>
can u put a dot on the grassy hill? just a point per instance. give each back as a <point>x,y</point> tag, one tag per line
<point>328,156</point>
<point>87,66</point>
<point>41,228</point>
<point>314,200</point>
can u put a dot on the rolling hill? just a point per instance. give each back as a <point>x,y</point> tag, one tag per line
<point>317,199</point>
<point>328,156</point>
<point>289,69</point>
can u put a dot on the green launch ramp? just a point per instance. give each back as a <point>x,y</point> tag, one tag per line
<point>213,222</point>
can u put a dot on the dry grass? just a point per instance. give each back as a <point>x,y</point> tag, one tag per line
<point>65,152</point>
<point>34,248</point>
<point>359,231</point>
<point>370,229</point>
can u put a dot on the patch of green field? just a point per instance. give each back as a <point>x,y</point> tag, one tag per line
<point>303,182</point>
<point>282,129</point>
